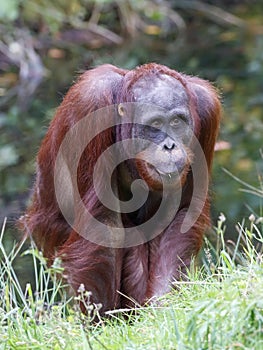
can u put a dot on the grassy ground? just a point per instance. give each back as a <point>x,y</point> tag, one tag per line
<point>219,307</point>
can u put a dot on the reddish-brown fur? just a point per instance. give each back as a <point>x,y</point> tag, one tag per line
<point>140,272</point>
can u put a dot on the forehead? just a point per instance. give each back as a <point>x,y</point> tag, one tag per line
<point>163,91</point>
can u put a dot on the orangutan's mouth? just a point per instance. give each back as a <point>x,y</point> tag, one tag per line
<point>167,176</point>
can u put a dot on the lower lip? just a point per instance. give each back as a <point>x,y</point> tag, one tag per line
<point>173,174</point>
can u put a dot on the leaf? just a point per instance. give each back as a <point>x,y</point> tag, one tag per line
<point>8,156</point>
<point>9,10</point>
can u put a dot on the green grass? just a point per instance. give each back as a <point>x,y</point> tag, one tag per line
<point>219,307</point>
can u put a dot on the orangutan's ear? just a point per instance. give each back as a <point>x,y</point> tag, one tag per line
<point>122,110</point>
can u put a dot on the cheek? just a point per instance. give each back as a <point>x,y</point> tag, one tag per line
<point>183,135</point>
<point>187,137</point>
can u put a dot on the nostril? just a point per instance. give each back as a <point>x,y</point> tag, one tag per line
<point>169,146</point>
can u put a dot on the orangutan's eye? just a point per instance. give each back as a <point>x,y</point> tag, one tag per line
<point>175,122</point>
<point>157,123</point>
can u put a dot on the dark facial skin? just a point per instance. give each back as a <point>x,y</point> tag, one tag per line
<point>164,121</point>
<point>161,133</point>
